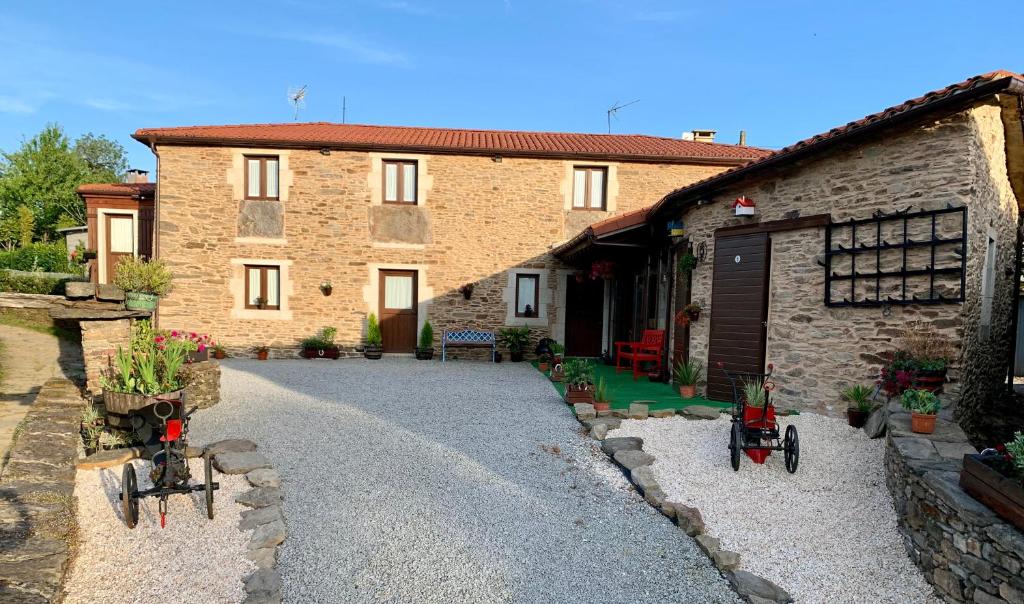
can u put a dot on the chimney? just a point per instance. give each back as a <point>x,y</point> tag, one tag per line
<point>701,136</point>
<point>135,176</point>
<point>743,138</point>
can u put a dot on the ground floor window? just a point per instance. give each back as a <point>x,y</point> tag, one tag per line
<point>262,287</point>
<point>527,294</point>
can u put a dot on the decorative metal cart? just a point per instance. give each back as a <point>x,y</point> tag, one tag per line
<point>755,430</point>
<point>162,425</point>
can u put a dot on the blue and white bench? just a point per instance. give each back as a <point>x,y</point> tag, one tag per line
<point>467,338</point>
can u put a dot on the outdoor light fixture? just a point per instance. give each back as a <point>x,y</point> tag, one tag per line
<point>496,159</point>
<point>325,151</point>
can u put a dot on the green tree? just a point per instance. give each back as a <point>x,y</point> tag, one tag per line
<point>26,226</point>
<point>44,174</point>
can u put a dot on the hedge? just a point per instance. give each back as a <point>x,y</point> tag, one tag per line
<point>45,257</point>
<point>22,282</point>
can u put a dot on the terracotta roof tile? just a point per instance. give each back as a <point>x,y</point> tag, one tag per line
<point>327,134</point>
<point>145,189</point>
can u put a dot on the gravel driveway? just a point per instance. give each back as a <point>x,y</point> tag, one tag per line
<point>411,481</point>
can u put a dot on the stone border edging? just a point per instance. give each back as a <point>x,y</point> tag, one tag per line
<point>628,453</point>
<point>37,502</point>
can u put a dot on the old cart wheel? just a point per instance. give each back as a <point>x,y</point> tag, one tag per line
<point>735,445</point>
<point>208,471</point>
<point>791,448</point>
<point>129,495</point>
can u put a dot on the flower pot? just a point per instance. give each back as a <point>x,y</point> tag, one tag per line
<point>326,290</point>
<point>574,395</point>
<point>262,354</point>
<point>140,301</point>
<point>543,366</point>
<point>1004,495</point>
<point>331,352</point>
<point>515,356</point>
<point>219,354</point>
<point>856,418</point>
<point>424,354</point>
<point>930,380</point>
<point>124,403</point>
<point>199,356</point>
<point>373,351</point>
<point>602,406</point>
<point>497,357</point>
<point>921,423</point>
<point>557,375</point>
<point>688,390</point>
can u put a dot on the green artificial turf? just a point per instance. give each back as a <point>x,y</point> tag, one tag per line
<point>622,390</point>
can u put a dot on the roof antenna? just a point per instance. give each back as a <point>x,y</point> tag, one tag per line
<point>613,111</point>
<point>297,97</point>
<point>344,108</point>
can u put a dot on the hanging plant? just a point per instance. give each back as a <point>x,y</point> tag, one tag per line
<point>687,262</point>
<point>466,291</point>
<point>603,269</point>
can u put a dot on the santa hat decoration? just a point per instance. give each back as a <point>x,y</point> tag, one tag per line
<point>744,206</point>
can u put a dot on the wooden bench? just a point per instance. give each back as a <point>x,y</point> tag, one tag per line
<point>467,338</point>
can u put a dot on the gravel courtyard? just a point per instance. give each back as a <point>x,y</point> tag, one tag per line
<point>411,481</point>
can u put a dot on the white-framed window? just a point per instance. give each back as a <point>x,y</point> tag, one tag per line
<point>589,187</point>
<point>527,294</point>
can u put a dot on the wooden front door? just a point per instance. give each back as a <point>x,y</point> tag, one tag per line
<point>584,303</point>
<point>739,309</point>
<point>398,302</point>
<point>119,242</point>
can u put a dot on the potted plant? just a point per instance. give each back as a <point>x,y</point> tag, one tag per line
<point>142,371</point>
<point>579,381</point>
<point>374,340</point>
<point>219,352</point>
<point>688,373</point>
<point>995,477</point>
<point>601,400</point>
<point>687,262</point>
<point>924,408</point>
<point>860,404</point>
<point>515,340</point>
<point>757,413</point>
<point>144,282</point>
<point>466,291</point>
<point>262,352</point>
<point>325,287</point>
<point>425,351</point>
<point>321,345</point>
<point>90,428</point>
<point>557,350</point>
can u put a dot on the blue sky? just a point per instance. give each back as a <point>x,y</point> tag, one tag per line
<point>780,70</point>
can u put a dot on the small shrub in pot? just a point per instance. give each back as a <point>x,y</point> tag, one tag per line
<point>688,373</point>
<point>860,404</point>
<point>579,381</point>
<point>924,408</point>
<point>515,340</point>
<point>374,339</point>
<point>321,346</point>
<point>425,351</point>
<point>144,282</point>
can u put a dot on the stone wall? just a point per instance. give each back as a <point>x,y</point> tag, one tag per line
<point>478,219</point>
<point>100,340</point>
<point>203,390</point>
<point>967,552</point>
<point>818,350</point>
<point>37,502</point>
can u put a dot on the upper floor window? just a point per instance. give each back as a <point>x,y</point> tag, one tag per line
<point>527,294</point>
<point>261,177</point>
<point>588,188</point>
<point>262,287</point>
<point>399,181</point>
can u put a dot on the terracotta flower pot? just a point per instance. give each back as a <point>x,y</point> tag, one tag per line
<point>219,354</point>
<point>602,406</point>
<point>856,418</point>
<point>543,367</point>
<point>921,423</point>
<point>262,355</point>
<point>688,390</point>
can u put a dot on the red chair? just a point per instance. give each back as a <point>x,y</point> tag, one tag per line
<point>647,350</point>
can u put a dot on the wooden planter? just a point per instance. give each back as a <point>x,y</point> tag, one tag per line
<point>424,354</point>
<point>373,351</point>
<point>321,353</point>
<point>124,403</point>
<point>573,396</point>
<point>1005,496</point>
<point>199,356</point>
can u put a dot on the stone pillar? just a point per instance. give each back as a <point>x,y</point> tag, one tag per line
<point>100,340</point>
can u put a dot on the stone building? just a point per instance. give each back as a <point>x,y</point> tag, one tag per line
<point>840,241</point>
<point>274,231</point>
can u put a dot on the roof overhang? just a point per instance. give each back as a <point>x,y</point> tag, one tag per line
<point>624,233</point>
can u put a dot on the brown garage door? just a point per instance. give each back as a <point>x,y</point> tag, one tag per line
<point>739,309</point>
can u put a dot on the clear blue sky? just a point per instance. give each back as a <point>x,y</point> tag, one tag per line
<point>780,70</point>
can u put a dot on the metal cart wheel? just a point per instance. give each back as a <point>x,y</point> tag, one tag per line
<point>208,472</point>
<point>129,495</point>
<point>735,445</point>
<point>791,448</point>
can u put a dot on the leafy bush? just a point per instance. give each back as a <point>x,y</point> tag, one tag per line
<point>920,401</point>
<point>40,257</point>
<point>514,338</point>
<point>578,372</point>
<point>323,339</point>
<point>601,391</point>
<point>1015,448</point>
<point>427,335</point>
<point>142,276</point>
<point>373,335</point>
<point>859,397</point>
<point>35,283</point>
<point>688,373</point>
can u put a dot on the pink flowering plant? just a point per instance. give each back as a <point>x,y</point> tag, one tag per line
<point>193,341</point>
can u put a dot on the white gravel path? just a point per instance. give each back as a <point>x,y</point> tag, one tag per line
<point>825,534</point>
<point>413,481</point>
<point>194,559</point>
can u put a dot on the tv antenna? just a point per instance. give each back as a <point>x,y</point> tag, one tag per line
<point>297,97</point>
<point>344,108</point>
<point>613,111</point>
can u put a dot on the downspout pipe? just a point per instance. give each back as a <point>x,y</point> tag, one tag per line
<point>156,220</point>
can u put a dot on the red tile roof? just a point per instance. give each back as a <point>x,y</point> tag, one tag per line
<point>449,140</point>
<point>144,189</point>
<point>954,96</point>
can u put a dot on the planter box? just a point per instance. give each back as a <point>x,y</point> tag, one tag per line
<point>424,354</point>
<point>1005,496</point>
<point>199,356</point>
<point>579,396</point>
<point>123,403</point>
<point>373,352</point>
<point>321,353</point>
